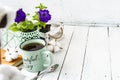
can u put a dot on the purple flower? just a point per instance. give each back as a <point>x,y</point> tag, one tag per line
<point>44,15</point>
<point>20,16</point>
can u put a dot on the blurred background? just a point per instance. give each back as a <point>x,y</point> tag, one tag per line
<point>73,11</point>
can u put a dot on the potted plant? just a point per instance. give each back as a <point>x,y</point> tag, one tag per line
<point>29,28</point>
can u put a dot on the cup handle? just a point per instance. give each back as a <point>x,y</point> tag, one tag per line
<point>47,57</point>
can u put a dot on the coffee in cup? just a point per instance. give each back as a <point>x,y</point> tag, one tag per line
<point>35,55</point>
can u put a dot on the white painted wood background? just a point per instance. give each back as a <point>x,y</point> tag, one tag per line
<point>90,53</point>
<point>75,11</point>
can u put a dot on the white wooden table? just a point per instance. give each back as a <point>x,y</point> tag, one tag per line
<point>90,53</point>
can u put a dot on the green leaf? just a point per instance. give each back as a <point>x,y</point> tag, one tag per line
<point>43,24</point>
<point>40,24</point>
<point>28,14</point>
<point>41,6</point>
<point>36,16</point>
<point>30,25</point>
<point>13,27</point>
<point>21,25</point>
<point>37,23</point>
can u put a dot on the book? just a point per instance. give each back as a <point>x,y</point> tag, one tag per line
<point>15,62</point>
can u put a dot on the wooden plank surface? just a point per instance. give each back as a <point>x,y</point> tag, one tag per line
<point>97,60</point>
<point>114,35</point>
<point>59,57</point>
<point>72,67</point>
<point>90,53</point>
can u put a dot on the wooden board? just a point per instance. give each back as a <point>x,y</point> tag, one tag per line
<point>114,35</point>
<point>16,62</point>
<point>97,60</point>
<point>72,68</point>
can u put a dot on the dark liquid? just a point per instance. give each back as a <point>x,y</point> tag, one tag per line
<point>33,46</point>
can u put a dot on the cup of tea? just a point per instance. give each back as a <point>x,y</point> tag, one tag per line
<point>35,55</point>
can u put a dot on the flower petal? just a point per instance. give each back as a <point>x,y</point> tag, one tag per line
<point>44,15</point>
<point>20,16</point>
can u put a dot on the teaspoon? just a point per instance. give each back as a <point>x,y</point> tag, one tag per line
<point>51,69</point>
